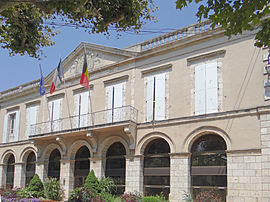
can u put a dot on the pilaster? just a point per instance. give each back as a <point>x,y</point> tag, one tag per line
<point>19,175</point>
<point>67,176</point>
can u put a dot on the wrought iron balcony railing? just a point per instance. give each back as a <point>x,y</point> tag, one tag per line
<point>94,119</point>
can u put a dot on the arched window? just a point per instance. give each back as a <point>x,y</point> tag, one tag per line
<point>10,172</point>
<point>54,164</point>
<point>82,166</point>
<point>30,167</point>
<point>116,165</point>
<point>157,168</point>
<point>209,167</point>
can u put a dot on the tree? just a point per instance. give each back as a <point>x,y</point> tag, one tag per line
<point>28,25</point>
<point>236,16</point>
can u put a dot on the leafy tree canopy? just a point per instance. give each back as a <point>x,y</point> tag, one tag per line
<point>27,25</point>
<point>236,16</point>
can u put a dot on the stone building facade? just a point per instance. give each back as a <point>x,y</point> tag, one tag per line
<point>180,113</point>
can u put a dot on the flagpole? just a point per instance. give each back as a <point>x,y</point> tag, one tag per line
<point>89,95</point>
<point>67,98</point>
<point>46,98</point>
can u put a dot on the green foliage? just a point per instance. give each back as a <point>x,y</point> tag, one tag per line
<point>236,16</point>
<point>156,198</point>
<point>97,187</point>
<point>52,189</point>
<point>34,190</point>
<point>187,197</point>
<point>24,26</point>
<point>80,194</point>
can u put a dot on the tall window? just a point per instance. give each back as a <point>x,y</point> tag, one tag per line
<point>31,113</point>
<point>54,164</point>
<point>30,167</point>
<point>11,127</point>
<point>81,109</point>
<point>82,166</point>
<point>157,168</point>
<point>55,111</point>
<point>114,95</point>
<point>116,165</point>
<point>209,166</point>
<point>206,88</point>
<point>10,172</point>
<point>155,99</point>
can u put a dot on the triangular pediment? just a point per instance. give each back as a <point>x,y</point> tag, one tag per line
<point>97,57</point>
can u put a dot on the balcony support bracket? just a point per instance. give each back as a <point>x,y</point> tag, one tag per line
<point>131,132</point>
<point>91,135</point>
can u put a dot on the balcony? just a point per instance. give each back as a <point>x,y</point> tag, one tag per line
<point>91,121</point>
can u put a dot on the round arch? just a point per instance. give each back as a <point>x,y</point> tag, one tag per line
<point>195,134</point>
<point>151,136</point>
<point>48,149</point>
<point>109,141</point>
<point>76,146</point>
<point>24,154</point>
<point>6,155</point>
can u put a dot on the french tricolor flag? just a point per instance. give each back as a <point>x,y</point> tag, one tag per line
<point>58,77</point>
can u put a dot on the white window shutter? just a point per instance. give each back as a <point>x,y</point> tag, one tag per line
<point>84,108</point>
<point>4,138</point>
<point>56,114</point>
<point>17,126</point>
<point>31,118</point>
<point>118,102</point>
<point>109,95</point>
<point>77,109</point>
<point>211,88</point>
<point>160,97</point>
<point>200,101</point>
<point>149,98</point>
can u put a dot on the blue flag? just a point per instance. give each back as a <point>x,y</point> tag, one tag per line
<point>41,85</point>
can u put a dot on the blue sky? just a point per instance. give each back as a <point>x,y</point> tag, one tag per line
<point>18,70</point>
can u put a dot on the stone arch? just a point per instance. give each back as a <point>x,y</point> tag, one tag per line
<point>151,136</point>
<point>76,146</point>
<point>195,134</point>
<point>6,155</point>
<point>24,154</point>
<point>109,141</point>
<point>47,151</point>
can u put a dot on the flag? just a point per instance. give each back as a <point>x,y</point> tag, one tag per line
<point>41,85</point>
<point>58,77</point>
<point>85,76</point>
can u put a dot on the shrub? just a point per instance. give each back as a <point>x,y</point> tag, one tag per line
<point>92,183</point>
<point>80,195</point>
<point>156,198</point>
<point>52,189</point>
<point>209,195</point>
<point>187,197</point>
<point>34,190</point>
<point>131,197</point>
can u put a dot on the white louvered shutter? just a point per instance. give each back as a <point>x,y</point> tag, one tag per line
<point>4,138</point>
<point>77,110</point>
<point>118,102</point>
<point>211,88</point>
<point>200,89</point>
<point>109,95</point>
<point>31,119</point>
<point>56,114</point>
<point>17,126</point>
<point>160,97</point>
<point>84,108</point>
<point>149,98</point>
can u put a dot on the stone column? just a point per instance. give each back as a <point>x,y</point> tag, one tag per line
<point>265,142</point>
<point>41,171</point>
<point>67,176</point>
<point>244,175</point>
<point>19,175</point>
<point>2,176</point>
<point>134,174</point>
<point>179,176</point>
<point>96,165</point>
